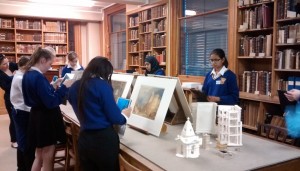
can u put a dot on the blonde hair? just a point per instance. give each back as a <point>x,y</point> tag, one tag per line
<point>38,54</point>
<point>72,55</point>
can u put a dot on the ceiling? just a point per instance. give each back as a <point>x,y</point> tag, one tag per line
<point>51,9</point>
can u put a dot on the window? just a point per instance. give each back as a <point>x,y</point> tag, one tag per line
<point>118,40</point>
<point>202,28</point>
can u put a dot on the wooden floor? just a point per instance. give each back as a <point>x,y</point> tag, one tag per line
<point>8,159</point>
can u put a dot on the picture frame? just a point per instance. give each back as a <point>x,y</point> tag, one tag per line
<point>121,84</point>
<point>150,103</point>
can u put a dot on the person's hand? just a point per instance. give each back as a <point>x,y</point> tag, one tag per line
<point>213,98</point>
<point>68,83</point>
<point>292,95</point>
<point>56,83</point>
<point>127,111</point>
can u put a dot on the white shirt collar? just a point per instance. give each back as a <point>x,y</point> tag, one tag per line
<point>35,68</point>
<point>220,73</point>
<point>77,67</point>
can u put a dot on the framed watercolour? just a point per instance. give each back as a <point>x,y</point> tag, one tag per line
<point>150,103</point>
<point>121,84</point>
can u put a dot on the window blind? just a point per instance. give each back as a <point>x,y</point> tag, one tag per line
<point>199,36</point>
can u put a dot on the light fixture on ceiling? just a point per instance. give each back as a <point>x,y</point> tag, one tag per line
<point>190,12</point>
<point>85,3</point>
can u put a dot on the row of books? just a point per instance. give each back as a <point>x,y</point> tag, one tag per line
<point>159,26</point>
<point>7,36</point>
<point>59,49</point>
<point>251,2</point>
<point>134,47</point>
<point>55,38</point>
<point>7,48</point>
<point>146,27</point>
<point>145,15</point>
<point>135,60</point>
<point>291,83</point>
<point>288,9</point>
<point>27,48</point>
<point>36,37</point>
<point>56,26</point>
<point>249,113</point>
<point>257,82</point>
<point>161,58</point>
<point>6,23</point>
<point>134,34</point>
<point>287,59</point>
<point>146,44</point>
<point>159,11</point>
<point>59,60</point>
<point>133,21</point>
<point>289,34</point>
<point>256,46</point>
<point>26,24</point>
<point>257,18</point>
<point>159,40</point>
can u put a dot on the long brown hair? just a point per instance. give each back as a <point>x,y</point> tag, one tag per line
<point>38,54</point>
<point>98,67</point>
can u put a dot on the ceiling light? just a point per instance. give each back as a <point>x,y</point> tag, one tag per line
<point>190,12</point>
<point>85,3</point>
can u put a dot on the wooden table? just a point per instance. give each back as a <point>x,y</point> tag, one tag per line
<point>158,153</point>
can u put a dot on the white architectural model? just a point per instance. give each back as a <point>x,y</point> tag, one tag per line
<point>188,144</point>
<point>229,125</point>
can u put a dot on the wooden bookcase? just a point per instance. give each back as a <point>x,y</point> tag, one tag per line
<point>258,49</point>
<point>20,36</point>
<point>146,34</point>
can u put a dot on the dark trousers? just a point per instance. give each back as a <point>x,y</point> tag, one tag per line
<point>99,150</point>
<point>12,130</point>
<point>25,153</point>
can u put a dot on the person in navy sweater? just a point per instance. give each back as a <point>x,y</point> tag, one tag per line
<point>6,75</point>
<point>93,102</point>
<point>152,66</point>
<point>45,127</point>
<point>73,64</point>
<point>220,84</point>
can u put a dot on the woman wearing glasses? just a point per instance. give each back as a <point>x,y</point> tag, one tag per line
<point>220,84</point>
<point>6,75</point>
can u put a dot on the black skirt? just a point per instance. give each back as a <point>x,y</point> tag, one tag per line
<point>46,127</point>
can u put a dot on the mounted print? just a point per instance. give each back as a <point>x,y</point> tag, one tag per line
<point>151,98</point>
<point>121,84</point>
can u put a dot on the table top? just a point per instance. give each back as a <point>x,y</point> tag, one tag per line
<point>255,153</point>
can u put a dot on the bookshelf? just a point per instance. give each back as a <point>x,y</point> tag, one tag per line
<point>255,58</point>
<point>146,35</point>
<point>21,36</point>
<point>268,39</point>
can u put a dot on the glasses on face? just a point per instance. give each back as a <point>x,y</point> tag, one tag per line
<point>214,60</point>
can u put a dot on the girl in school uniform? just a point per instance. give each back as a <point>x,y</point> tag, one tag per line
<point>6,75</point>
<point>93,103</point>
<point>25,156</point>
<point>73,64</point>
<point>152,66</point>
<point>220,84</point>
<point>46,126</point>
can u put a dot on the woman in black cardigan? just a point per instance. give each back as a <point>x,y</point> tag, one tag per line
<point>6,75</point>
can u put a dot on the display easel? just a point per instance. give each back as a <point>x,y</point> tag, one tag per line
<point>179,108</point>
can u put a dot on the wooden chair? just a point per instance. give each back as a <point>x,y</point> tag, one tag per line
<point>125,165</point>
<point>276,130</point>
<point>72,131</point>
<point>60,155</point>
